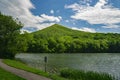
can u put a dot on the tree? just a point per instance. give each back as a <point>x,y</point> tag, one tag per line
<point>9,36</point>
<point>52,45</point>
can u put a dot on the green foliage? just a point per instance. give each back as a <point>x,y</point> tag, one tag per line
<point>19,65</point>
<point>4,75</point>
<point>9,36</point>
<point>60,39</point>
<point>82,75</point>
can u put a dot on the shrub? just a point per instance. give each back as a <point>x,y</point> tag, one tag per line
<point>84,75</point>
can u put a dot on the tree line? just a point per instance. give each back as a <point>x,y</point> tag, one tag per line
<point>54,39</point>
<point>71,41</point>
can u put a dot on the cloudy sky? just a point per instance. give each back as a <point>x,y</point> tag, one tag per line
<point>84,15</point>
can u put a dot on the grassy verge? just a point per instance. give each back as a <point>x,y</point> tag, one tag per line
<point>5,75</point>
<point>20,65</point>
<point>65,74</point>
<point>82,75</point>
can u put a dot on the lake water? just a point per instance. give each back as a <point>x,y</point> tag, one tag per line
<point>102,62</point>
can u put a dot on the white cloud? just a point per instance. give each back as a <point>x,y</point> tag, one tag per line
<point>101,13</point>
<point>44,18</point>
<point>67,21</point>
<point>85,29</point>
<point>24,30</point>
<point>37,27</point>
<point>52,11</point>
<point>111,26</point>
<point>101,3</point>
<point>73,23</point>
<point>21,9</point>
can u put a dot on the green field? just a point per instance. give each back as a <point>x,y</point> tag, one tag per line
<point>4,75</point>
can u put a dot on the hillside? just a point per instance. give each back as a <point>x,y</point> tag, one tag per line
<point>60,39</point>
<point>57,30</point>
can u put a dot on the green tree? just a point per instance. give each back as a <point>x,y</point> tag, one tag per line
<point>60,48</point>
<point>9,36</point>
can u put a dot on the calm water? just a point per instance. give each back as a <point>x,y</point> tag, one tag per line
<point>109,63</point>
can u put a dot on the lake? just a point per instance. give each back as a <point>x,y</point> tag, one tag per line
<point>102,62</point>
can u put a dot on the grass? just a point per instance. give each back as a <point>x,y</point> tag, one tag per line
<point>5,75</point>
<point>20,65</point>
<point>65,74</point>
<point>82,75</point>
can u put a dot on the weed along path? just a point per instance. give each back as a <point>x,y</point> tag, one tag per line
<point>24,74</point>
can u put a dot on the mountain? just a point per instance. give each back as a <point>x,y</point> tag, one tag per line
<point>57,30</point>
<point>60,39</point>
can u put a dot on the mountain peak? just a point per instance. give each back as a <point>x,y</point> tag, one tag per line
<point>56,24</point>
<point>56,29</point>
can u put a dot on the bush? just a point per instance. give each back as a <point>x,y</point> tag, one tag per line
<point>82,75</point>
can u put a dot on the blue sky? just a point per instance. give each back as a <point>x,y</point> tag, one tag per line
<point>83,15</point>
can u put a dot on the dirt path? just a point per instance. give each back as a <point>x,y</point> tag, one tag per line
<point>24,74</point>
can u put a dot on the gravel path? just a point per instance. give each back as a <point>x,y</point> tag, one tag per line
<point>24,74</point>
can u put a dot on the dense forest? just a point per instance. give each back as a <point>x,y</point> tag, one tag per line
<point>60,39</point>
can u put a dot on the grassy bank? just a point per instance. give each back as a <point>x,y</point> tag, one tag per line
<point>82,75</point>
<point>65,74</point>
<point>20,65</point>
<point>5,75</point>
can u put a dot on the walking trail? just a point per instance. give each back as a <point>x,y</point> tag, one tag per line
<point>24,74</point>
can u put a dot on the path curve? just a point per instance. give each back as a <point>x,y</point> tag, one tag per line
<point>24,74</point>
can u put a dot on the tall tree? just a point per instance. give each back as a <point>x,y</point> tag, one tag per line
<point>9,36</point>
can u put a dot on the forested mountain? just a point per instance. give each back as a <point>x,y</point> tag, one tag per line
<point>60,39</point>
